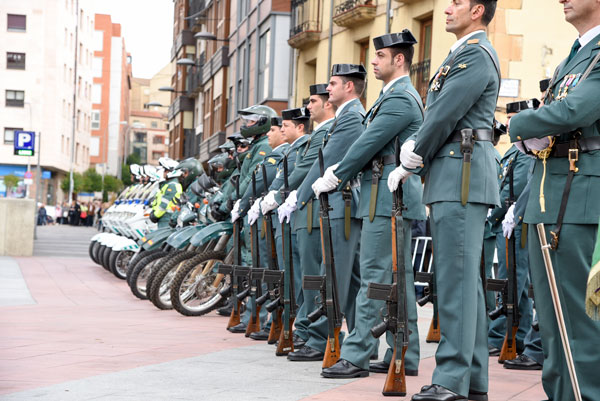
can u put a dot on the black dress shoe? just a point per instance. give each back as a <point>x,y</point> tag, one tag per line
<point>260,335</point>
<point>225,310</point>
<point>306,353</point>
<point>522,362</point>
<point>435,392</point>
<point>298,342</point>
<point>383,366</point>
<point>477,396</point>
<point>344,370</point>
<point>493,351</point>
<point>239,328</point>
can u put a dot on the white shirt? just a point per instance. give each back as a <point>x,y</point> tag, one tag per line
<point>323,123</point>
<point>339,110</point>
<point>392,82</point>
<point>464,39</point>
<point>588,36</point>
<point>280,145</point>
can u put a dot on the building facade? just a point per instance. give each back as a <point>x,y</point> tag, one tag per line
<point>46,82</point>
<point>110,97</point>
<point>529,43</point>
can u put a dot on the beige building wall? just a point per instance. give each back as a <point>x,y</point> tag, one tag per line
<point>530,44</point>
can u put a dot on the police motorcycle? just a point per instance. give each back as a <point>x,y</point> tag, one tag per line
<point>127,221</point>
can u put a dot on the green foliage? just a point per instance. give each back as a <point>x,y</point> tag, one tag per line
<point>133,158</point>
<point>10,181</point>
<point>112,184</point>
<point>92,181</point>
<point>77,183</point>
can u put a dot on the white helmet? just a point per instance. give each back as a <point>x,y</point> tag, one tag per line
<point>167,163</point>
<point>134,169</point>
<point>151,172</point>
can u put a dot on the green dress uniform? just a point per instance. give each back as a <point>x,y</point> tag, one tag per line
<point>259,150</point>
<point>346,128</point>
<point>397,113</point>
<point>308,243</point>
<point>489,247</point>
<point>462,95</point>
<point>166,200</point>
<point>515,166</point>
<point>574,106</point>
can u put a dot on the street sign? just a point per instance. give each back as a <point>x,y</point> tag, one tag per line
<point>28,174</point>
<point>24,142</point>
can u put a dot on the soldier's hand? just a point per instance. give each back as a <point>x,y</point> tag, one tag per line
<point>408,157</point>
<point>254,212</point>
<point>508,224</point>
<point>268,203</point>
<point>398,175</point>
<point>289,206</point>
<point>235,212</point>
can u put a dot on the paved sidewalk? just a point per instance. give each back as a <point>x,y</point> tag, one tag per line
<point>87,337</point>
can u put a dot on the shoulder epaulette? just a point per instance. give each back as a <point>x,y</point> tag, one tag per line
<point>472,41</point>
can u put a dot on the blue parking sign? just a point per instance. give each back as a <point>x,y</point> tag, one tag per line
<point>24,143</point>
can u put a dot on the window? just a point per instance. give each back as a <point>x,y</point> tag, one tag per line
<point>140,137</point>
<point>217,114</point>
<point>95,146</point>
<point>364,60</point>
<point>156,155</point>
<point>98,40</point>
<point>97,67</point>
<point>16,22</point>
<point>9,134</point>
<point>95,119</point>
<point>15,98</point>
<point>154,124</point>
<point>97,93</point>
<point>15,61</point>
<point>264,55</point>
<point>158,140</point>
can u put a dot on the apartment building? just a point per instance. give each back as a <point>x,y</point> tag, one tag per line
<point>46,83</point>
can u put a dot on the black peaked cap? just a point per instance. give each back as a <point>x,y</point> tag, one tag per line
<point>404,38</point>
<point>349,70</point>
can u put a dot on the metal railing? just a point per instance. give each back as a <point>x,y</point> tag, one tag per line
<point>347,5</point>
<point>419,75</point>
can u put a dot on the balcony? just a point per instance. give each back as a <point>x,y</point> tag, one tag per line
<point>181,104</point>
<point>185,38</point>
<point>199,10</point>
<point>190,148</point>
<point>210,147</point>
<point>419,75</point>
<point>354,12</point>
<point>194,77</point>
<point>306,23</point>
<point>219,60</point>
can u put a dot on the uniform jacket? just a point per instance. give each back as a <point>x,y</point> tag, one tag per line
<point>579,110</point>
<point>346,128</point>
<point>259,150</point>
<point>395,113</point>
<point>292,153</point>
<point>466,100</point>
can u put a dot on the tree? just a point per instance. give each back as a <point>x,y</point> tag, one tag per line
<point>92,181</point>
<point>133,158</point>
<point>112,184</point>
<point>10,181</point>
<point>77,183</point>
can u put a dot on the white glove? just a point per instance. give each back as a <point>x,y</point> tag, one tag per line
<point>489,212</point>
<point>537,143</point>
<point>396,176</point>
<point>508,224</point>
<point>289,206</point>
<point>408,158</point>
<point>268,203</point>
<point>235,212</point>
<point>254,212</point>
<point>326,183</point>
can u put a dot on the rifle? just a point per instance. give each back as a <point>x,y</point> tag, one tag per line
<point>395,318</point>
<point>255,275</point>
<point>272,284</point>
<point>286,340</point>
<point>234,318</point>
<point>332,306</point>
<point>433,335</point>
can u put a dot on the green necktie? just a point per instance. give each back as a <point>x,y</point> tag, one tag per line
<point>574,50</point>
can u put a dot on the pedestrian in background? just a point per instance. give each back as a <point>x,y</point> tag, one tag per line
<point>42,216</point>
<point>57,213</point>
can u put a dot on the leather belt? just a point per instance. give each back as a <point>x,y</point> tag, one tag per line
<point>388,159</point>
<point>583,145</point>
<point>478,135</point>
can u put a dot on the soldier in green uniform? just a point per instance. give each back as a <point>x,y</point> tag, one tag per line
<point>167,198</point>
<point>257,123</point>
<point>565,188</point>
<point>515,168</point>
<point>454,152</point>
<point>395,115</point>
<point>305,221</point>
<point>345,87</point>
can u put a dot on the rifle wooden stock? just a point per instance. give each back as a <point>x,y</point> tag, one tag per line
<point>254,323</point>
<point>234,318</point>
<point>509,348</point>
<point>286,340</point>
<point>395,381</point>
<point>333,349</point>
<point>276,325</point>
<point>434,335</point>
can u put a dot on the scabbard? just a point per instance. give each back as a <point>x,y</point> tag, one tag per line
<point>466,178</point>
<point>373,200</point>
<point>309,216</point>
<point>524,236</point>
<point>347,222</point>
